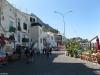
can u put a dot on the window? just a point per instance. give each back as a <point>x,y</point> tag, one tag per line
<point>25,39</point>
<point>41,40</point>
<point>19,28</point>
<point>11,26</point>
<point>31,40</point>
<point>11,23</point>
<point>19,37</point>
<point>32,19</point>
<point>25,26</point>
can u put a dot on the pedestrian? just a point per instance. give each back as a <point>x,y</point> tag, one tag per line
<point>32,55</point>
<point>18,51</point>
<point>47,52</point>
<point>27,54</point>
<point>50,50</point>
<point>44,50</point>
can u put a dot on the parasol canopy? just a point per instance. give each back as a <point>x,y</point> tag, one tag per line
<point>97,44</point>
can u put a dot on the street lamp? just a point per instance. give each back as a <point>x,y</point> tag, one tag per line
<point>63,16</point>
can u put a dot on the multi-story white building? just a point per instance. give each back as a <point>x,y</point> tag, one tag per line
<point>25,28</point>
<point>23,25</point>
<point>36,33</point>
<point>7,20</point>
<point>14,22</point>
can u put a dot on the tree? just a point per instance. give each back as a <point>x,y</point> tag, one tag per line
<point>72,47</point>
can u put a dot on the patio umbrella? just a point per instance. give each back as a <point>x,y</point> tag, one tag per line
<point>2,40</point>
<point>97,44</point>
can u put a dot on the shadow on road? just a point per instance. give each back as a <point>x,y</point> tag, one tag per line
<point>45,66</point>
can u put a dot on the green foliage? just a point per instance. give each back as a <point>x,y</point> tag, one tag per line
<point>48,29</point>
<point>73,47</point>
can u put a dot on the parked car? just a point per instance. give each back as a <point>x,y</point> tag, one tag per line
<point>3,57</point>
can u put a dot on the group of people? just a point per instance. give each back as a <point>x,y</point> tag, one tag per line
<point>28,53</point>
<point>47,51</point>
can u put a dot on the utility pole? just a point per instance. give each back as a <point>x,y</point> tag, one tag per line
<point>63,17</point>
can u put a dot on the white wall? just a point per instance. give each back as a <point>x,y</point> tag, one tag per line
<point>36,36</point>
<point>8,13</point>
<point>40,39</point>
<point>23,19</point>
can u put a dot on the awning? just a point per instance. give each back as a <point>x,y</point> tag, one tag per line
<point>2,39</point>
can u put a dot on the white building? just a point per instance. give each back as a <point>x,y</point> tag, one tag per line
<point>23,25</point>
<point>87,45</point>
<point>50,39</point>
<point>36,39</point>
<point>22,22</point>
<point>14,18</point>
<point>7,19</point>
<point>26,28</point>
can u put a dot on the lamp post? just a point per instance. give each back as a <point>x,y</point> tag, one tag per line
<point>63,17</point>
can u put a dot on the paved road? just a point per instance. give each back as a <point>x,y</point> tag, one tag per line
<point>56,64</point>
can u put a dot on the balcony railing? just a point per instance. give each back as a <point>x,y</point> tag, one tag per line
<point>25,40</point>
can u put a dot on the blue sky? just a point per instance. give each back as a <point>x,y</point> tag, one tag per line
<point>84,21</point>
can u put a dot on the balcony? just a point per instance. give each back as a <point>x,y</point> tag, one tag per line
<point>25,40</point>
<point>36,24</point>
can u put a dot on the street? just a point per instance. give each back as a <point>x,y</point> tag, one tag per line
<point>56,64</point>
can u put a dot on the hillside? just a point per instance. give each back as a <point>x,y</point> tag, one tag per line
<point>46,27</point>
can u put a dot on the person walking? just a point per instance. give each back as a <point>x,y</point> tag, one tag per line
<point>50,50</point>
<point>27,54</point>
<point>44,50</point>
<point>18,51</point>
<point>32,53</point>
